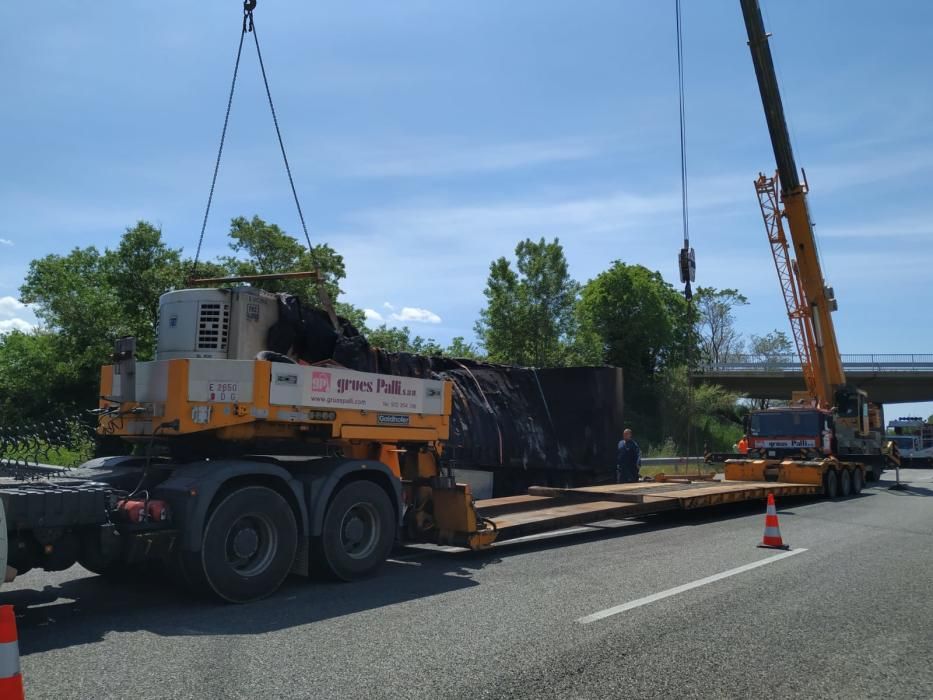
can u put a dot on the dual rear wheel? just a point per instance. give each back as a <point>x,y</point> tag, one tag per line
<point>250,540</point>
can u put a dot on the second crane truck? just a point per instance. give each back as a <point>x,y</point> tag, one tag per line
<point>829,434</point>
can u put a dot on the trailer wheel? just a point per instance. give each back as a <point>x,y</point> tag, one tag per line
<point>845,482</point>
<point>358,532</point>
<point>858,482</point>
<point>249,544</point>
<point>831,484</point>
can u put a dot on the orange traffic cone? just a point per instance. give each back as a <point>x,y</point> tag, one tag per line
<point>772,538</point>
<point>11,680</point>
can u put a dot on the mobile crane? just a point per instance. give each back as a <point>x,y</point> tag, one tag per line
<point>830,434</point>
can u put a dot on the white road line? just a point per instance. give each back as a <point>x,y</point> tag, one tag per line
<point>608,612</point>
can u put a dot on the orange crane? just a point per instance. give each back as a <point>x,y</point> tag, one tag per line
<point>830,434</point>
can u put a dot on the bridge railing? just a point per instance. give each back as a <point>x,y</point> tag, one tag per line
<point>859,363</point>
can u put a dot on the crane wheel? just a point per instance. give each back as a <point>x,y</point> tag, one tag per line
<point>358,532</point>
<point>831,484</point>
<point>249,544</point>
<point>845,482</point>
<point>858,482</point>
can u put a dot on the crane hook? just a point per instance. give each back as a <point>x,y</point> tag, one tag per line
<point>248,7</point>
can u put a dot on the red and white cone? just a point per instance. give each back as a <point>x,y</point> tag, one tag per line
<point>772,538</point>
<point>11,680</point>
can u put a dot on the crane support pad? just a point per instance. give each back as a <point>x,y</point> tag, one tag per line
<point>547,509</point>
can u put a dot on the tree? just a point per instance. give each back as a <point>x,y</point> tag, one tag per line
<point>529,314</point>
<point>696,416</point>
<point>460,349</point>
<point>88,298</point>
<point>261,248</point>
<point>398,339</point>
<point>637,320</point>
<point>718,337</point>
<point>37,379</point>
<point>631,318</point>
<point>770,348</point>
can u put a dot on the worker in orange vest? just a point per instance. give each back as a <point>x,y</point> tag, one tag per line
<point>743,446</point>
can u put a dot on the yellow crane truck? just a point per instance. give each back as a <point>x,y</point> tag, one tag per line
<point>830,434</point>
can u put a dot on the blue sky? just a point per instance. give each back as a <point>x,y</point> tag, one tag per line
<point>427,138</point>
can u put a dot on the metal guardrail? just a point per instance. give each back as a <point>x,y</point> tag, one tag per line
<point>740,364</point>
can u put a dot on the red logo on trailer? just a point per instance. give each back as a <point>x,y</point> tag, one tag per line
<point>320,381</point>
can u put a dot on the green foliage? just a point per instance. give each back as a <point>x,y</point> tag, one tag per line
<point>638,320</point>
<point>718,338</point>
<point>38,376</point>
<point>529,314</point>
<point>770,347</point>
<point>398,339</point>
<point>88,298</point>
<point>697,417</point>
<point>462,350</point>
<point>261,248</point>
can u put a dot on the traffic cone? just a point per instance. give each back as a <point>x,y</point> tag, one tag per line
<point>772,538</point>
<point>11,680</point>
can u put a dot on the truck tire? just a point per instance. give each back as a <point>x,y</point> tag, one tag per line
<point>845,483</point>
<point>831,484</point>
<point>358,532</point>
<point>858,482</point>
<point>249,544</point>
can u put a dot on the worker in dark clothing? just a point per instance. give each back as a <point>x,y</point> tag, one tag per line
<point>628,459</point>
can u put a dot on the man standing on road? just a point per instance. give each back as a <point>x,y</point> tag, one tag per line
<point>628,459</point>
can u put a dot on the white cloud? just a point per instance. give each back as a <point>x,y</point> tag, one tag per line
<point>15,315</point>
<point>15,324</point>
<point>407,314</point>
<point>373,315</point>
<point>833,176</point>
<point>915,226</point>
<point>433,159</point>
<point>411,314</point>
<point>6,241</point>
<point>10,307</point>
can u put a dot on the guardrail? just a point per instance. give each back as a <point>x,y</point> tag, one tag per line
<point>739,364</point>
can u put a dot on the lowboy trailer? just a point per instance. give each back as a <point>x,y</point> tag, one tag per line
<point>249,469</point>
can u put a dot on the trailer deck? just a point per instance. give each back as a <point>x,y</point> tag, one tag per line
<point>545,508</point>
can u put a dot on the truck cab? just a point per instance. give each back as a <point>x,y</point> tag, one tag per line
<point>791,432</point>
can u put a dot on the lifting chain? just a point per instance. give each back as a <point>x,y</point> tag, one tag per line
<point>249,27</point>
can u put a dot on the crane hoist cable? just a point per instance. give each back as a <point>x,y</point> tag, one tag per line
<point>249,27</point>
<point>687,257</point>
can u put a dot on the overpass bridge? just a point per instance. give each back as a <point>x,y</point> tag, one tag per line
<point>900,378</point>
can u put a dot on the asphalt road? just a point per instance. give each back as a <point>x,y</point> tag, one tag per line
<point>850,617</point>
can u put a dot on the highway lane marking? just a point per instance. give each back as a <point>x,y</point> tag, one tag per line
<point>654,597</point>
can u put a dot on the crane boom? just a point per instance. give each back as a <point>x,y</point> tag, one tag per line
<point>820,359</point>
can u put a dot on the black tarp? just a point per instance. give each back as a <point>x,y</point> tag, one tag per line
<point>560,425</point>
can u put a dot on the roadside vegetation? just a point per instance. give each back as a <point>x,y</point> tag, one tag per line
<point>535,314</point>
